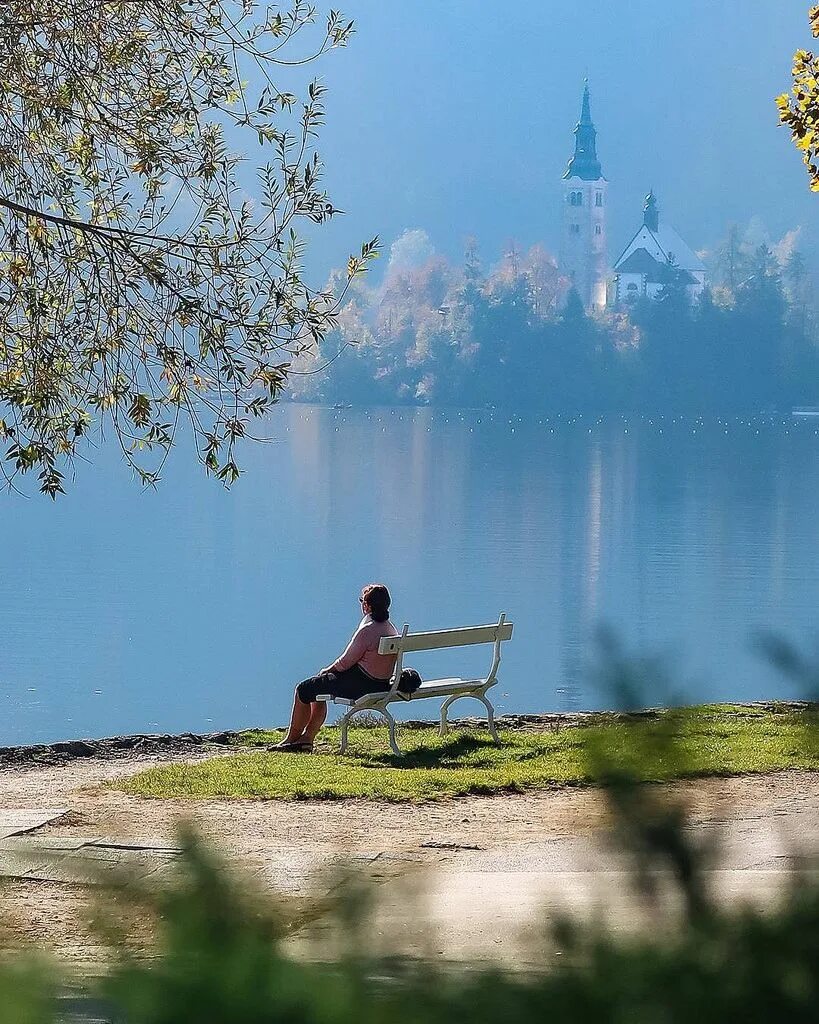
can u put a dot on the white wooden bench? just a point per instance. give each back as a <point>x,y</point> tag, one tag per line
<point>449,689</point>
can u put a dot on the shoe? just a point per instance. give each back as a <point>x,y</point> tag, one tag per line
<point>294,747</point>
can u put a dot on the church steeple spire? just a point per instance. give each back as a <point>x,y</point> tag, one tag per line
<point>651,212</point>
<point>585,164</point>
<point>585,115</point>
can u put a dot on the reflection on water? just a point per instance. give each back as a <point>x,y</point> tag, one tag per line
<point>192,608</point>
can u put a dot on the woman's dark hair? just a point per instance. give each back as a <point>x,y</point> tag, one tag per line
<point>378,598</point>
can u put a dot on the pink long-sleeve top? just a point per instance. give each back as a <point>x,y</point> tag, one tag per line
<point>362,650</point>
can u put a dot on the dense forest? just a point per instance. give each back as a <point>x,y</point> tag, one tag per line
<point>516,335</point>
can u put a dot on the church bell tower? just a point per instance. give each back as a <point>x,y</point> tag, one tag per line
<point>584,239</point>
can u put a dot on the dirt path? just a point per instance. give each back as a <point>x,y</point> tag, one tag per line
<point>487,862</point>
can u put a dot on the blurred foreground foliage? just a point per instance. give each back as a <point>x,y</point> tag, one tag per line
<point>221,959</point>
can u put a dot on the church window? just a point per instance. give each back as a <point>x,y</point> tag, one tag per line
<point>575,229</point>
<point>599,200</point>
<point>576,199</point>
<point>598,230</point>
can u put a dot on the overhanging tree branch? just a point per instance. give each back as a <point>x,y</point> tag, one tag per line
<point>180,299</point>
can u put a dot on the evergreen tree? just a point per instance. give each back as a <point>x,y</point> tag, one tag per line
<point>760,324</point>
<point>574,313</point>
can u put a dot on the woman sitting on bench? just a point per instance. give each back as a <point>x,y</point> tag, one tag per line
<point>358,671</point>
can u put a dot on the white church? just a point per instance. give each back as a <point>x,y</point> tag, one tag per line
<point>654,256</point>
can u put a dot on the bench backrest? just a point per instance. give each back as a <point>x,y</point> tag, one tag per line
<point>496,634</point>
<point>446,638</point>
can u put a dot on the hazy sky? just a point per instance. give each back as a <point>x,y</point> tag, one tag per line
<point>456,116</point>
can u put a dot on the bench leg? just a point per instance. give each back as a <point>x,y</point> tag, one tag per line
<point>391,726</point>
<point>345,721</point>
<point>490,717</point>
<point>490,713</point>
<point>444,708</point>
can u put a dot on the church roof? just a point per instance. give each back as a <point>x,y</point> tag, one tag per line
<point>665,246</point>
<point>585,164</point>
<point>639,262</point>
<point>656,271</point>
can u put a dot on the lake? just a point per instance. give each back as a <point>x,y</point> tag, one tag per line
<point>192,608</point>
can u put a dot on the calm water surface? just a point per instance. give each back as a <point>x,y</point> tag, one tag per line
<point>192,608</point>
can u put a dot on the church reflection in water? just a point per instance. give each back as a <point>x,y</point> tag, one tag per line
<point>566,525</point>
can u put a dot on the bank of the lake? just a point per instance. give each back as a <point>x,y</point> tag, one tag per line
<point>537,752</point>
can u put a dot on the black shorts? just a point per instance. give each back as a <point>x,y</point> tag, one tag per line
<point>351,685</point>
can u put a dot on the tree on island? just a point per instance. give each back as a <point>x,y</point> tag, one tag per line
<point>517,336</point>
<point>151,276</point>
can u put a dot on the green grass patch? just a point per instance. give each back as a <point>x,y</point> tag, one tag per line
<point>699,742</point>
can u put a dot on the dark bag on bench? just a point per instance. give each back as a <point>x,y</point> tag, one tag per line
<point>409,681</point>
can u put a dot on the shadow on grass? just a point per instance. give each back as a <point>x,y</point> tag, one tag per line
<point>445,755</point>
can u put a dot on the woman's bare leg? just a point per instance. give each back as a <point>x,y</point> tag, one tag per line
<point>318,713</point>
<point>298,720</point>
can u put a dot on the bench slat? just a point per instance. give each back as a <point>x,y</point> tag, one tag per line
<point>445,638</point>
